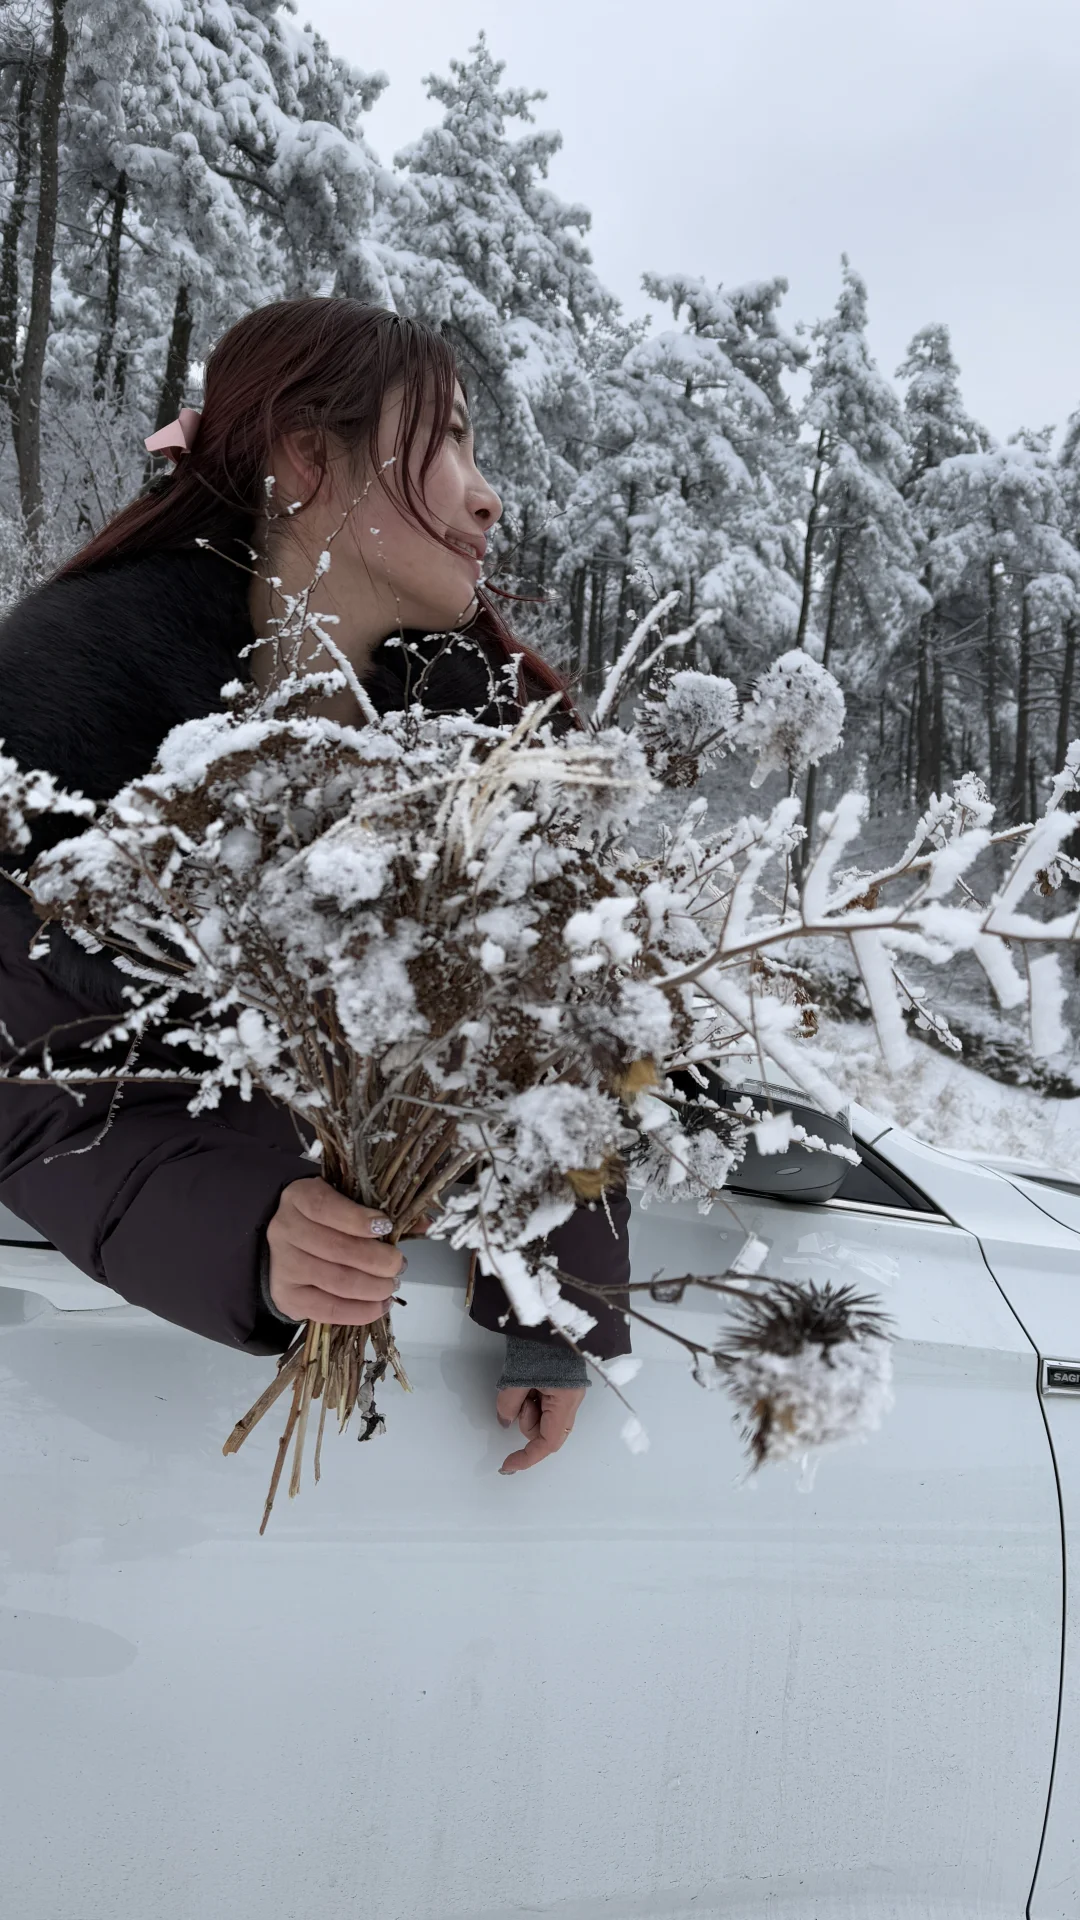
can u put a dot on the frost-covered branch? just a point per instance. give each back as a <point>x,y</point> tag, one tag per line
<point>446,947</point>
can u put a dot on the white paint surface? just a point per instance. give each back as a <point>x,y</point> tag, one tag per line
<point>1034,1252</point>
<point>619,1685</point>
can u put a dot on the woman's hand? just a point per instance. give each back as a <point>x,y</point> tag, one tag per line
<point>329,1259</point>
<point>545,1415</point>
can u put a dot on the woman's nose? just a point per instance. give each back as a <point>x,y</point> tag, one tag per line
<point>486,504</point>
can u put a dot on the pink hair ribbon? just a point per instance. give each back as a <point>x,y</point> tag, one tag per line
<point>177,438</point>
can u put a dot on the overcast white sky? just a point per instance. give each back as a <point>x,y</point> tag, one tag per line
<point>936,141</point>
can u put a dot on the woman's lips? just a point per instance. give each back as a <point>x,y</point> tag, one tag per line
<point>468,552</point>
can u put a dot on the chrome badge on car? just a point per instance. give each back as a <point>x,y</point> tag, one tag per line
<point>1061,1376</point>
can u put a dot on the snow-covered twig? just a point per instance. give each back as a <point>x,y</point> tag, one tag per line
<point>439,943</point>
<point>617,673</point>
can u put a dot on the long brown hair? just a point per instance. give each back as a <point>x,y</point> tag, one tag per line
<point>322,363</point>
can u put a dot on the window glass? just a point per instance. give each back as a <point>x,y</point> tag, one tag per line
<point>875,1184</point>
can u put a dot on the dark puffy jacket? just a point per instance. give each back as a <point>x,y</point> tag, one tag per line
<point>167,1208</point>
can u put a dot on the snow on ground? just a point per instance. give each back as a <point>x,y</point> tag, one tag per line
<point>949,1105</point>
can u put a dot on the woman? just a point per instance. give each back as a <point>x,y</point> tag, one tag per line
<point>326,424</point>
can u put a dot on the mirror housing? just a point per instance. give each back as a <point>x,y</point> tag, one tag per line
<point>810,1175</point>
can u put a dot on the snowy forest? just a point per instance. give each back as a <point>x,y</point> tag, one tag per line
<point>169,164</point>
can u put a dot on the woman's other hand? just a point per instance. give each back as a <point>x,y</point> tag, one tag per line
<point>329,1259</point>
<point>545,1415</point>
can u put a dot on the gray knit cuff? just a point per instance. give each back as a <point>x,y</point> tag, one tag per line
<point>542,1364</point>
<point>264,1288</point>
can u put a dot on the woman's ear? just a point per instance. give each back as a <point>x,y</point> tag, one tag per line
<point>300,467</point>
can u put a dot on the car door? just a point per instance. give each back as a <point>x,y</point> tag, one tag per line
<point>1030,1233</point>
<point>624,1683</point>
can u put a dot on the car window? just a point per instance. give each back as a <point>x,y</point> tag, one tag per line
<point>874,1183</point>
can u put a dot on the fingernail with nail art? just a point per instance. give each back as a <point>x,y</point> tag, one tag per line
<point>381,1226</point>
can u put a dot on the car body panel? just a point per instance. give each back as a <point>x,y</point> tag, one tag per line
<point>1028,1232</point>
<point>623,1684</point>
<point>1059,1203</point>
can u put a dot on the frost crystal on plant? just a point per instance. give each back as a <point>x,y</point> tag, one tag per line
<point>687,723</point>
<point>794,717</point>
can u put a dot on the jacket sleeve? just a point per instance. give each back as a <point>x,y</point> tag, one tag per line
<point>594,1245</point>
<point>170,1209</point>
<point>165,1207</point>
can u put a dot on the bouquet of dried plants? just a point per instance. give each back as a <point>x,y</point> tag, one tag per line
<point>471,957</point>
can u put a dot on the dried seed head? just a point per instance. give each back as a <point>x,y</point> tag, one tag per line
<point>806,1365</point>
<point>591,1183</point>
<point>634,1078</point>
<point>785,1315</point>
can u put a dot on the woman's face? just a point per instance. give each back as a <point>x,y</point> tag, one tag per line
<point>417,581</point>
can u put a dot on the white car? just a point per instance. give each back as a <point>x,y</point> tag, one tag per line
<point>620,1685</point>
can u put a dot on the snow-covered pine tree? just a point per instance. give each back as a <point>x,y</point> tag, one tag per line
<point>209,155</point>
<point>594,561</point>
<point>936,421</point>
<point>1001,538</point>
<point>310,182</point>
<point>22,53</point>
<point>859,584</point>
<point>693,479</point>
<point>35,45</point>
<point>491,255</point>
<point>164,247</point>
<point>937,426</point>
<point>210,158</point>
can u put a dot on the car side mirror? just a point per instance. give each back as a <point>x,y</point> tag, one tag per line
<point>798,1172</point>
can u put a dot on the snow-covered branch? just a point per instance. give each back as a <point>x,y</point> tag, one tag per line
<point>441,944</point>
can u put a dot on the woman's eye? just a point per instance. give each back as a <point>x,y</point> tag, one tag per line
<point>458,434</point>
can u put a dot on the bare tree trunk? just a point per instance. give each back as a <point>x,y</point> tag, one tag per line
<point>594,670</point>
<point>993,755</point>
<point>624,583</point>
<point>924,714</point>
<point>1019,793</point>
<point>9,240</point>
<point>805,848</point>
<point>834,602</point>
<point>690,653</point>
<point>107,335</point>
<point>577,617</point>
<point>37,327</point>
<point>1064,720</point>
<point>621,607</point>
<point>810,540</point>
<point>808,543</point>
<point>176,360</point>
<point>1033,790</point>
<point>937,736</point>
